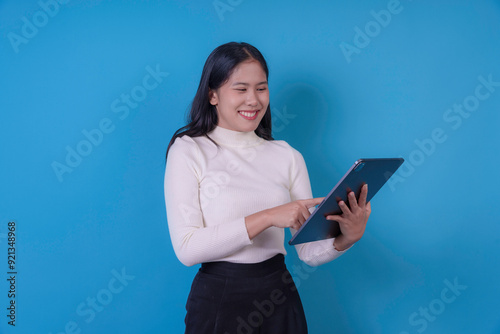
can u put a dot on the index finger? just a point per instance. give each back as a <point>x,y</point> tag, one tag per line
<point>309,203</point>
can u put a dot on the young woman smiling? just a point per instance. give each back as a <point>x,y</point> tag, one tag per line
<point>230,190</point>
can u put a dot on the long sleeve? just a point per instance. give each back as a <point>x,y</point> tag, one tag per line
<point>318,252</point>
<point>192,240</point>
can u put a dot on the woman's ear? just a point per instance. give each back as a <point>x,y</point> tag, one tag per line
<point>213,98</point>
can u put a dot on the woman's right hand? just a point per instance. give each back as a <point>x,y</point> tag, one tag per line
<point>292,214</point>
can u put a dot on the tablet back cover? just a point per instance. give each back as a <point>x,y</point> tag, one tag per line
<point>374,172</point>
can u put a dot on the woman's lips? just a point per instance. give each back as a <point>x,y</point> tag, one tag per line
<point>248,114</point>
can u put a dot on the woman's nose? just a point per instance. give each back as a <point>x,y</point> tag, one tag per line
<point>251,99</point>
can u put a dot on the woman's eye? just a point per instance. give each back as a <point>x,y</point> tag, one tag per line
<point>261,89</point>
<point>241,89</point>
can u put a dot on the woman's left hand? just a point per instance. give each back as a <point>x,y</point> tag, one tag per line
<point>352,221</point>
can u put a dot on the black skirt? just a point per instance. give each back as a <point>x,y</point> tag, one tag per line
<point>234,298</point>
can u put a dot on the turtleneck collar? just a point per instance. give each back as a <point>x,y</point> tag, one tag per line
<point>226,137</point>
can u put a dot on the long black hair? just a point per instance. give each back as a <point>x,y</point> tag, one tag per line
<point>217,70</point>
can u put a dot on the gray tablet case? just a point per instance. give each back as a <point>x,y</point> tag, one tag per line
<point>374,172</point>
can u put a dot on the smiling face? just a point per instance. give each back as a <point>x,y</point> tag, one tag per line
<point>242,101</point>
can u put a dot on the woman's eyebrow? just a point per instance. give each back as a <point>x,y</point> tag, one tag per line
<point>247,84</point>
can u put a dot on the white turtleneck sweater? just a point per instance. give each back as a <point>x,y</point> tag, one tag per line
<point>209,191</point>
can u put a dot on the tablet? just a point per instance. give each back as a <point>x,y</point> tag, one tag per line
<point>374,172</point>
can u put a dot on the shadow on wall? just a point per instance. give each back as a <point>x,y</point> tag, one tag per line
<point>382,279</point>
<point>304,112</point>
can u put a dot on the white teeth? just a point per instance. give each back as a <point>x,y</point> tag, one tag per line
<point>248,114</point>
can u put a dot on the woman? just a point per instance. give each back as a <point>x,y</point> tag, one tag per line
<point>230,191</point>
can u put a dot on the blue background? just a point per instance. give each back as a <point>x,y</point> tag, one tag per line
<point>436,225</point>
